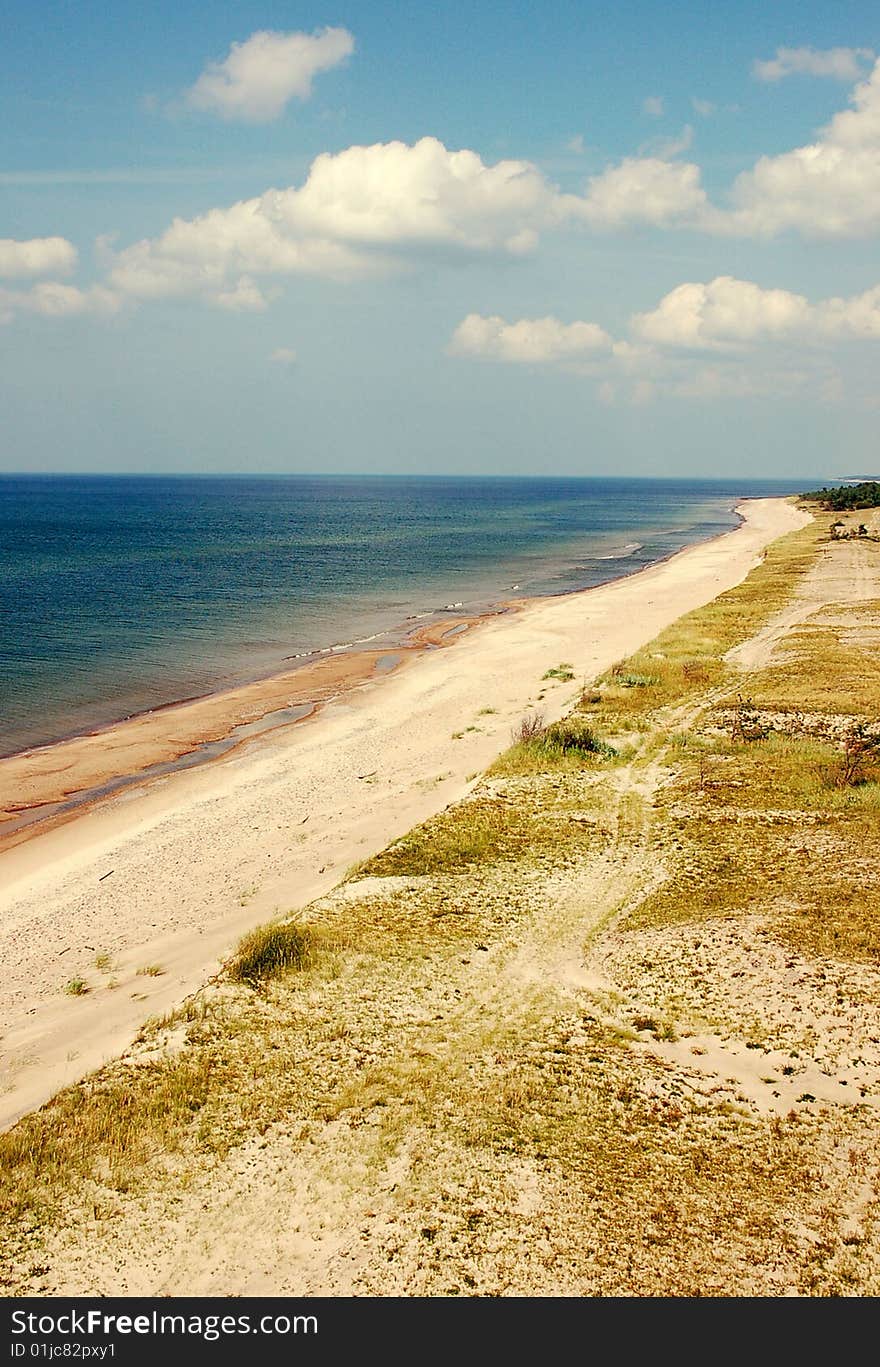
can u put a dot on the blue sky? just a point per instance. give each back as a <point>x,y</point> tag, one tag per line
<point>506,238</point>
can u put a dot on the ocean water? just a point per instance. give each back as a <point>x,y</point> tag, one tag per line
<point>120,594</point>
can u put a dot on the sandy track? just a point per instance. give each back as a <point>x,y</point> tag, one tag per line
<point>842,576</point>
<point>169,876</point>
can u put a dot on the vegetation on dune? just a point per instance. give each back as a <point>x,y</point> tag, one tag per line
<point>844,497</point>
<point>271,950</point>
<point>437,1036</point>
<point>485,829</point>
<point>688,657</point>
<point>568,745</point>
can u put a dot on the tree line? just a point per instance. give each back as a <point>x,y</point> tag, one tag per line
<point>847,496</point>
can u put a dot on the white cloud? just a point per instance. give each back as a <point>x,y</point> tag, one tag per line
<point>36,256</point>
<point>576,145</point>
<point>827,188</point>
<point>760,343</point>
<point>653,105</point>
<point>841,63</point>
<point>393,193</point>
<point>52,299</point>
<point>243,297</point>
<point>857,317</point>
<point>530,340</point>
<point>645,190</point>
<point>724,312</point>
<point>283,355</point>
<point>359,211</point>
<point>728,314</point>
<point>830,187</point>
<point>259,77</point>
<point>705,108</point>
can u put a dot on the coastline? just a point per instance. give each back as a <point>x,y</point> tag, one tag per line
<point>171,872</point>
<point>42,786</point>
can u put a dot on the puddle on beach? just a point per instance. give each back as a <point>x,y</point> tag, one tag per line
<point>386,663</point>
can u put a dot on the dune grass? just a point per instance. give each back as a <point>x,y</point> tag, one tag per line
<point>784,824</point>
<point>271,950</point>
<point>687,658</point>
<point>762,825</point>
<point>484,830</point>
<point>568,745</point>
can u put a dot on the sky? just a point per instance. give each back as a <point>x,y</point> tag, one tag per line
<point>509,238</point>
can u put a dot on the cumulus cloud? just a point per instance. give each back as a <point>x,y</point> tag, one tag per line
<point>724,312</point>
<point>857,317</point>
<point>705,108</point>
<point>393,193</point>
<point>36,256</point>
<point>642,190</point>
<point>359,211</point>
<point>737,382</point>
<point>243,297</point>
<point>530,340</point>
<point>755,342</point>
<point>52,299</point>
<point>841,63</point>
<point>730,314</point>
<point>827,188</point>
<point>259,77</point>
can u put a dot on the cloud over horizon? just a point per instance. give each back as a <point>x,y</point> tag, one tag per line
<point>729,318</point>
<point>530,340</point>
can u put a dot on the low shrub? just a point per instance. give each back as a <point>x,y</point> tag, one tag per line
<point>271,950</point>
<point>531,726</point>
<point>572,736</point>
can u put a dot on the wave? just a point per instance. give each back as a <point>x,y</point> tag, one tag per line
<point>629,549</point>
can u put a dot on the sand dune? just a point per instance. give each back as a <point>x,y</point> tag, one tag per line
<point>167,875</point>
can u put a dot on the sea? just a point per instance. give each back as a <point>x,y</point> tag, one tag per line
<point>122,594</point>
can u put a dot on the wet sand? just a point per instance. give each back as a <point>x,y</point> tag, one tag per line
<point>168,873</point>
<point>51,783</point>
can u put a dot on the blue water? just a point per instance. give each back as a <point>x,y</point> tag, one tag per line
<point>120,594</point>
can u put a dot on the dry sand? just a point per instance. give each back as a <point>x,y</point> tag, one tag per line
<point>168,874</point>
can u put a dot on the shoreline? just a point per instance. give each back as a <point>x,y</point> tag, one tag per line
<point>171,872</point>
<point>44,785</point>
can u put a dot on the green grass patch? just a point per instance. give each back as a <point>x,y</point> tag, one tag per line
<point>270,951</point>
<point>566,745</point>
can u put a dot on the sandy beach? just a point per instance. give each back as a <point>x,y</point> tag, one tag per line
<point>165,875</point>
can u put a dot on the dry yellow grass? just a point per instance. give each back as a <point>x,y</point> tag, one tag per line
<point>440,1057</point>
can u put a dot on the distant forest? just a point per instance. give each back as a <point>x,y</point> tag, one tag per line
<point>865,495</point>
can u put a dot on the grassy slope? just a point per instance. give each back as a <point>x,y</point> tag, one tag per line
<point>543,1133</point>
